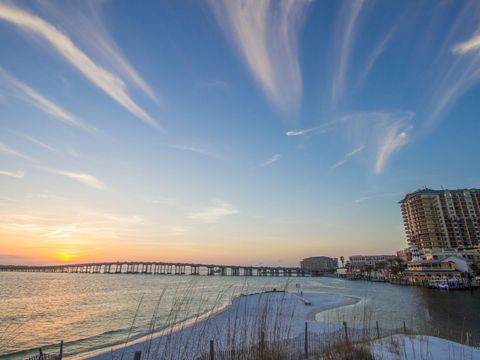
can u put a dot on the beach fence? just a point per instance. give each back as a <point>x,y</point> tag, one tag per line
<point>46,356</point>
<point>304,346</point>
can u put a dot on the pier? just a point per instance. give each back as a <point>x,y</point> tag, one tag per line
<point>161,268</point>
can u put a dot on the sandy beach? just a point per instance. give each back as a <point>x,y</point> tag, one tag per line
<point>281,315</point>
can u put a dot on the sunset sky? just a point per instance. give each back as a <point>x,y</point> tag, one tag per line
<point>237,132</point>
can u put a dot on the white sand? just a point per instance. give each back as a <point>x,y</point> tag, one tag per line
<point>282,315</point>
<point>400,347</point>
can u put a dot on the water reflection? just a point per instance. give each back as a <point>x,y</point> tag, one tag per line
<point>90,311</point>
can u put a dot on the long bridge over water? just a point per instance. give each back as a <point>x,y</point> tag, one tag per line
<point>162,268</point>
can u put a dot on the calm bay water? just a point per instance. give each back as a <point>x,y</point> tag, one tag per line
<point>92,311</point>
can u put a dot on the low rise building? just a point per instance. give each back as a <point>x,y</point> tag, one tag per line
<point>370,260</point>
<point>421,272</point>
<point>405,254</point>
<point>319,264</point>
<point>472,254</point>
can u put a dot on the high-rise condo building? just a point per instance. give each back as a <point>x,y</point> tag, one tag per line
<point>442,218</point>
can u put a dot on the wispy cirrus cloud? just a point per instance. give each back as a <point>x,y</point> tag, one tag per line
<point>265,34</point>
<point>34,98</point>
<point>348,156</point>
<point>213,213</point>
<point>320,129</point>
<point>37,142</point>
<point>458,66</point>
<point>111,84</point>
<point>300,132</point>
<point>84,21</point>
<point>10,151</point>
<point>472,44</point>
<point>13,174</point>
<point>84,178</point>
<point>394,138</point>
<point>382,133</point>
<point>270,161</point>
<point>344,37</point>
<point>379,133</point>
<point>375,54</point>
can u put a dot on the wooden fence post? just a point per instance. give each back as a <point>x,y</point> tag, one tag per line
<point>378,331</point>
<point>61,350</point>
<point>262,345</point>
<point>346,331</point>
<point>306,340</point>
<point>404,327</point>
<point>138,355</point>
<point>212,350</point>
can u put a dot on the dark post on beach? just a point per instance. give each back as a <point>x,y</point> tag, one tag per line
<point>306,339</point>
<point>138,355</point>
<point>212,350</point>
<point>346,331</point>
<point>60,356</point>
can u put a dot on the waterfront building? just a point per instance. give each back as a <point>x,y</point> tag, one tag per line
<point>319,264</point>
<point>405,254</point>
<point>436,219</point>
<point>341,272</point>
<point>472,254</point>
<point>423,271</point>
<point>370,260</point>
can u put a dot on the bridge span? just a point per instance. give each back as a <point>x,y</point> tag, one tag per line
<point>161,268</point>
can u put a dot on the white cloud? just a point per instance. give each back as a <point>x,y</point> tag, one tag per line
<point>37,142</point>
<point>302,132</point>
<point>348,156</point>
<point>83,178</point>
<point>14,174</point>
<point>270,161</point>
<point>454,75</point>
<point>8,150</point>
<point>265,34</point>
<point>342,47</point>
<point>377,51</point>
<point>395,137</point>
<point>105,80</point>
<point>382,133</point>
<point>212,214</point>
<point>40,102</point>
<point>470,45</point>
<point>320,129</point>
<point>84,21</point>
<point>379,133</point>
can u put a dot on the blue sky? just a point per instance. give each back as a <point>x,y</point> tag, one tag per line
<point>229,131</point>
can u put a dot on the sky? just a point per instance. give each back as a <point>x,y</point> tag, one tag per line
<point>229,132</point>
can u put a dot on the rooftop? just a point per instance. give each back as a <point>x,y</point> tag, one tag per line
<point>427,191</point>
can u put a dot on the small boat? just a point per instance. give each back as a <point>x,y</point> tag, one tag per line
<point>443,286</point>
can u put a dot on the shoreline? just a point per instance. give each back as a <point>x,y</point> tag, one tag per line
<point>242,312</point>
